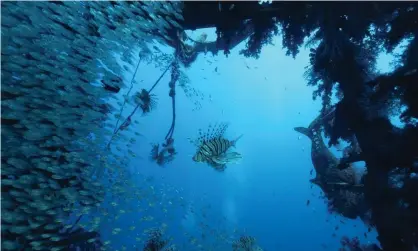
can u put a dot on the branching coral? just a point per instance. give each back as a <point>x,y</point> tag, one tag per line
<point>265,28</point>
<point>351,153</point>
<point>246,243</point>
<point>165,155</point>
<point>350,204</point>
<point>346,176</point>
<point>187,53</point>
<point>156,242</point>
<point>225,30</point>
<point>350,199</point>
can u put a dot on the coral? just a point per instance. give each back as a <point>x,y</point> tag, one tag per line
<point>346,176</point>
<point>246,243</point>
<point>353,244</point>
<point>165,155</point>
<point>264,29</point>
<point>156,242</point>
<point>351,199</point>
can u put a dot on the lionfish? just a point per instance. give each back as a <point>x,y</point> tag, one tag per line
<point>213,148</point>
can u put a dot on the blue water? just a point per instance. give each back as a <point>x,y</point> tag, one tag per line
<point>266,194</point>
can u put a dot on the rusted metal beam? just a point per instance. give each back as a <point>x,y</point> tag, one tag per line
<point>221,44</point>
<point>203,14</point>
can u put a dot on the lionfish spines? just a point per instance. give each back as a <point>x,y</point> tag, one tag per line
<point>212,147</point>
<point>146,101</point>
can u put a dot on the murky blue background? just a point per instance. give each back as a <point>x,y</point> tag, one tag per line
<point>265,194</point>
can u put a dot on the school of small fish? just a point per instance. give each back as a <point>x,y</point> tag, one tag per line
<point>62,188</point>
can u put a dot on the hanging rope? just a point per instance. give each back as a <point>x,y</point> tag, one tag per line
<point>173,121</point>
<point>127,94</point>
<point>174,77</point>
<point>128,120</point>
<point>158,80</point>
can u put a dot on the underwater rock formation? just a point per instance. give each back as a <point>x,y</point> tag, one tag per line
<point>156,242</point>
<point>342,188</point>
<point>246,243</point>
